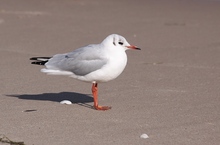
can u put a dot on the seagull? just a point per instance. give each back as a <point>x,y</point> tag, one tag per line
<point>95,63</point>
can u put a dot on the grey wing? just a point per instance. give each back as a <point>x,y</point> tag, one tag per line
<point>81,62</point>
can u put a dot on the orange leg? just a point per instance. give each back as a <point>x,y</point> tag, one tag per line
<point>95,96</point>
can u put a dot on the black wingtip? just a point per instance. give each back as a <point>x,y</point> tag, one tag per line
<point>39,60</point>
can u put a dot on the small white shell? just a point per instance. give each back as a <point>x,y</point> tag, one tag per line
<point>144,136</point>
<point>66,102</point>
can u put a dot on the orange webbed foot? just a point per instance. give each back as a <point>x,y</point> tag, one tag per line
<point>103,108</point>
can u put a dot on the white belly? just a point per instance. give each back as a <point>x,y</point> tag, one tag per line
<point>110,71</point>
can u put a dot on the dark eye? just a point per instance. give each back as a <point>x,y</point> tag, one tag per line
<point>121,43</point>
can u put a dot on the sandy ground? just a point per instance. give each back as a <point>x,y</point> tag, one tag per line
<point>169,90</point>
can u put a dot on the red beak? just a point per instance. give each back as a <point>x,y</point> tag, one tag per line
<point>133,47</point>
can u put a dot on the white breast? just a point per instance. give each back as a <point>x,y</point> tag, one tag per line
<point>114,67</point>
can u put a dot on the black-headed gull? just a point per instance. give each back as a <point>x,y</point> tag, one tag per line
<point>94,63</point>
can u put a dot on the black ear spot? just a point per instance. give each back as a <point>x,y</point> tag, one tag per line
<point>114,41</point>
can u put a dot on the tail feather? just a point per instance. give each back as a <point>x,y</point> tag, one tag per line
<point>40,60</point>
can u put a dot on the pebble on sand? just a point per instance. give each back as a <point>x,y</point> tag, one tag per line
<point>67,102</point>
<point>144,136</point>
